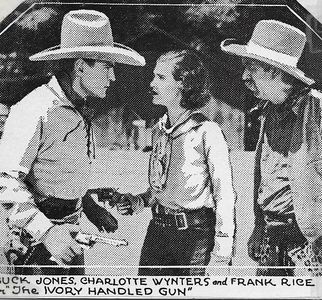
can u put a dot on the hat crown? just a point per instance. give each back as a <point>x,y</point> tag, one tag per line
<point>86,28</point>
<point>88,34</point>
<point>280,37</point>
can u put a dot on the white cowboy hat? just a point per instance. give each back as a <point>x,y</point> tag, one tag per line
<point>275,43</point>
<point>88,34</point>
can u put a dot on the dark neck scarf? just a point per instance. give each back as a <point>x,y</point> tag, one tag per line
<point>81,105</point>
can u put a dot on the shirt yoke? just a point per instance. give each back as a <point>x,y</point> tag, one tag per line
<point>37,103</point>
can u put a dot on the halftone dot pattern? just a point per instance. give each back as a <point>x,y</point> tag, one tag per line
<point>113,166</point>
<point>127,171</point>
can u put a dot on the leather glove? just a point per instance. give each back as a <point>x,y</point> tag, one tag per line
<point>98,215</point>
<point>60,243</point>
<point>255,242</point>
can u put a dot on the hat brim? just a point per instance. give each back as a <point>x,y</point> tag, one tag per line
<point>241,50</point>
<point>105,53</point>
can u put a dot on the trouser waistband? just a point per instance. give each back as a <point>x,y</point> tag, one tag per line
<point>272,219</point>
<point>181,220</point>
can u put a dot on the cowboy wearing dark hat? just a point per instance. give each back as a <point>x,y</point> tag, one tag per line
<point>288,185</point>
<point>47,146</point>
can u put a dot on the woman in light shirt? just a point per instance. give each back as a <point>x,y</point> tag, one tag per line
<point>191,191</point>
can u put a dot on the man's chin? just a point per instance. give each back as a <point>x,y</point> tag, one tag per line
<point>101,95</point>
<point>254,91</point>
<point>155,99</point>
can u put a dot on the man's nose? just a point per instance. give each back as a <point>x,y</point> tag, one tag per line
<point>246,74</point>
<point>152,83</point>
<point>111,74</point>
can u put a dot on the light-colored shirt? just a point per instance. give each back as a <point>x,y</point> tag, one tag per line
<point>275,194</point>
<point>46,138</point>
<point>190,169</point>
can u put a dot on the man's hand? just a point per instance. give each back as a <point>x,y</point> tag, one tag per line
<point>255,241</point>
<point>125,204</point>
<point>104,195</point>
<point>98,215</point>
<point>60,243</point>
<point>223,264</point>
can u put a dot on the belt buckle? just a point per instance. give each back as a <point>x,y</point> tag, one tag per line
<point>181,221</point>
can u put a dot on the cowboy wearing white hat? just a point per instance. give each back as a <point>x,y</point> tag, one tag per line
<point>47,146</point>
<point>288,186</point>
<point>88,34</point>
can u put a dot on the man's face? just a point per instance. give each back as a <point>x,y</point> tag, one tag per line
<point>95,80</point>
<point>262,83</point>
<point>165,89</point>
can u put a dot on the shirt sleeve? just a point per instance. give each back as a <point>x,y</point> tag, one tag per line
<point>143,200</point>
<point>217,156</point>
<point>21,138</point>
<point>18,150</point>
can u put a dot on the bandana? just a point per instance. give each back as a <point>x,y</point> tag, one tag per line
<point>160,156</point>
<point>162,148</point>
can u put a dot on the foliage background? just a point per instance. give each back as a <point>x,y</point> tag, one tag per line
<point>152,28</point>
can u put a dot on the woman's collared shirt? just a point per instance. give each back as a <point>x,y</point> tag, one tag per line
<point>190,169</point>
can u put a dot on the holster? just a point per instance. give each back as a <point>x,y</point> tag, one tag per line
<point>19,246</point>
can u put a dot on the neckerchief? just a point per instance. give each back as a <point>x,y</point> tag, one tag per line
<point>161,153</point>
<point>160,156</point>
<point>81,105</point>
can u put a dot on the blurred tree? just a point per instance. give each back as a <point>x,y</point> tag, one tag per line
<point>35,18</point>
<point>219,12</point>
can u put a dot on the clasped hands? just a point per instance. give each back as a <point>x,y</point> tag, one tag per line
<point>125,204</point>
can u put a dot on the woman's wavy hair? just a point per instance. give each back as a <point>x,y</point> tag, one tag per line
<point>190,70</point>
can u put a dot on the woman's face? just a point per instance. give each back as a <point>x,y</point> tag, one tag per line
<point>165,89</point>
